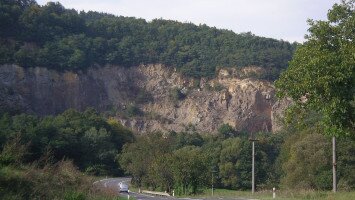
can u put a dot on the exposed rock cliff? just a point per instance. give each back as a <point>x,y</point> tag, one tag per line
<point>244,103</point>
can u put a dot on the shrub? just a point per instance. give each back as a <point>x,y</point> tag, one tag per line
<point>176,94</point>
<point>132,111</point>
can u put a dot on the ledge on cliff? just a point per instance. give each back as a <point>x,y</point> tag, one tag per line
<point>247,104</point>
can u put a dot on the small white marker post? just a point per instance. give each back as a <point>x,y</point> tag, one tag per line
<point>173,193</point>
<point>273,193</point>
<point>128,194</point>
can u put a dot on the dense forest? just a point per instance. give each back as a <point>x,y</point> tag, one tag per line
<point>53,157</point>
<point>72,143</point>
<point>90,140</point>
<point>64,39</point>
<point>296,158</point>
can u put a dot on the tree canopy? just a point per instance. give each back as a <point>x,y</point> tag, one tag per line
<point>63,39</point>
<point>87,138</point>
<point>321,74</point>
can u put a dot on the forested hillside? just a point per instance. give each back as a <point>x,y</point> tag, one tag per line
<point>86,138</point>
<point>63,39</point>
<point>53,157</point>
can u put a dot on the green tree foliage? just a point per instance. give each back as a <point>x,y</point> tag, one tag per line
<point>227,131</point>
<point>185,161</point>
<point>321,73</point>
<point>67,40</point>
<point>189,169</point>
<point>139,159</point>
<point>305,161</point>
<point>308,164</point>
<point>41,179</point>
<point>91,141</point>
<point>154,162</point>
<point>132,110</point>
<point>229,156</point>
<point>10,13</point>
<point>13,152</point>
<point>346,164</point>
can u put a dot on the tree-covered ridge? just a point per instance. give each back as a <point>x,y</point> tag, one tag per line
<point>63,39</point>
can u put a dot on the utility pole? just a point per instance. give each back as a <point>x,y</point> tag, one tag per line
<point>213,171</point>
<point>253,140</point>
<point>253,170</point>
<point>212,183</point>
<point>334,166</point>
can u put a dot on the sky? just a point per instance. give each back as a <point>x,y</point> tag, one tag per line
<point>279,19</point>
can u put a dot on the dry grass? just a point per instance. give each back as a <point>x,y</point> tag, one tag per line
<point>61,180</point>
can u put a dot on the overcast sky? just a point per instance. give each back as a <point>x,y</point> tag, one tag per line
<point>280,19</point>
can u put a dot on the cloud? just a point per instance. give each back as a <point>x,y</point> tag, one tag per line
<point>280,19</point>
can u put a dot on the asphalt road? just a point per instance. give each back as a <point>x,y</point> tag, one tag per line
<point>112,186</point>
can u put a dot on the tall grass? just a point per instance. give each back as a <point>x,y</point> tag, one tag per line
<point>282,195</point>
<point>43,179</point>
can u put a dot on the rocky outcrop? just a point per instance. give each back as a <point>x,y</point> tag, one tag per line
<point>247,104</point>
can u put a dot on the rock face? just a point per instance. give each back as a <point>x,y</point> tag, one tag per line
<point>244,103</point>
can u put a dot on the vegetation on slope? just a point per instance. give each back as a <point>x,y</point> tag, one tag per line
<point>63,39</point>
<point>35,151</point>
<point>43,178</point>
<point>87,139</point>
<point>298,158</point>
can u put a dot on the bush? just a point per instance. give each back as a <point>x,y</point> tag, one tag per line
<point>176,94</point>
<point>74,196</point>
<point>13,152</point>
<point>227,131</point>
<point>132,111</point>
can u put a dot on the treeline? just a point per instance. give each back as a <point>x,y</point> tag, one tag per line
<point>63,39</point>
<point>89,140</point>
<point>55,157</point>
<point>38,152</point>
<point>185,162</point>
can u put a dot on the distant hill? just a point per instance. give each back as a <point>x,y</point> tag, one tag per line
<point>64,39</point>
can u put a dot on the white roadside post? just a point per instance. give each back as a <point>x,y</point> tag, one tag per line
<point>273,193</point>
<point>173,193</point>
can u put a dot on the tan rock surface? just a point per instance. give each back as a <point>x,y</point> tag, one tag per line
<point>247,104</point>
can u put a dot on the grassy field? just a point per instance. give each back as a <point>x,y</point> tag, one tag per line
<point>282,195</point>
<point>125,198</point>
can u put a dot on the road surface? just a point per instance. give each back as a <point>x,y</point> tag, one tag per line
<point>112,185</point>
